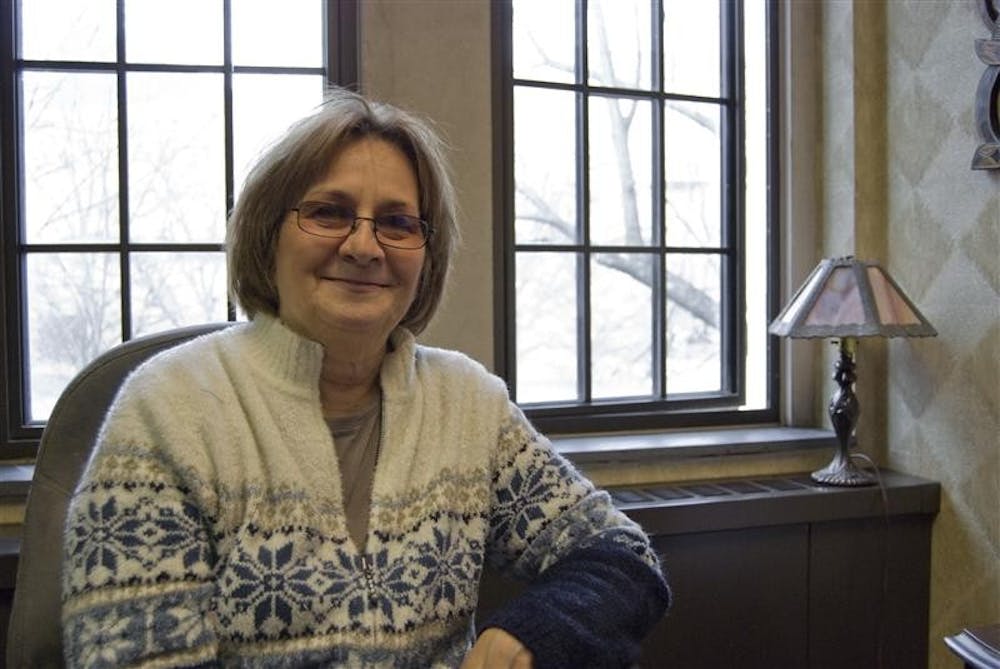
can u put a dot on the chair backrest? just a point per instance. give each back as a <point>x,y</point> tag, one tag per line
<point>34,636</point>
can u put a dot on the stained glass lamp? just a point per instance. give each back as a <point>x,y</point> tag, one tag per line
<point>846,299</point>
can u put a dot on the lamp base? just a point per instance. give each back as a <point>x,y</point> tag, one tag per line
<point>843,472</point>
<point>844,410</point>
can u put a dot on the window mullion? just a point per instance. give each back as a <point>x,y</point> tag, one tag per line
<point>584,377</point>
<point>731,267</point>
<point>658,315</point>
<point>505,307</point>
<point>737,264</point>
<point>773,243</point>
<point>341,63</point>
<point>584,381</point>
<point>658,320</point>
<point>227,114</point>
<point>227,101</point>
<point>125,291</point>
<point>11,157</point>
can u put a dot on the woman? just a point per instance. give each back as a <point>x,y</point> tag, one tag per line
<point>313,488</point>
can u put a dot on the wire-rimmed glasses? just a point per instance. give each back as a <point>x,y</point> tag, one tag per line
<point>334,221</point>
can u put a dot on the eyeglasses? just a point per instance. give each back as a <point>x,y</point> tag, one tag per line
<point>398,231</point>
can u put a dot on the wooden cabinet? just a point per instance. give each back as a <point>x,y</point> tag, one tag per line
<point>780,572</point>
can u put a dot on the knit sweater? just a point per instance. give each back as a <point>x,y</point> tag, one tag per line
<point>208,528</point>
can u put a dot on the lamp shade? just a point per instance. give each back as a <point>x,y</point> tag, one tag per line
<point>844,297</point>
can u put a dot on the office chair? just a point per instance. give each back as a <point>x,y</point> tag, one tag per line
<point>34,636</point>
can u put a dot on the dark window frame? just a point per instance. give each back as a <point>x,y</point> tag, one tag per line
<point>702,410</point>
<point>19,436</point>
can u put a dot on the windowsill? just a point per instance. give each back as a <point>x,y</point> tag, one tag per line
<point>637,447</point>
<point>15,479</point>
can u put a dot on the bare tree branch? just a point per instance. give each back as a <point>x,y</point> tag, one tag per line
<point>546,214</point>
<point>681,291</point>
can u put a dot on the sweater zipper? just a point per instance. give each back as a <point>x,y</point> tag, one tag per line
<point>367,567</point>
<point>368,571</point>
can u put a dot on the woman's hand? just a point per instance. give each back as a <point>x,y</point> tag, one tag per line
<point>496,649</point>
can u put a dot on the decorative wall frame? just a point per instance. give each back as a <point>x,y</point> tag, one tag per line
<point>987,156</point>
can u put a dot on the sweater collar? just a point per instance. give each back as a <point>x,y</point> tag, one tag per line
<point>400,362</point>
<point>298,360</point>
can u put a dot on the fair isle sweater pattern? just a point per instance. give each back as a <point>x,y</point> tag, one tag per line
<point>208,528</point>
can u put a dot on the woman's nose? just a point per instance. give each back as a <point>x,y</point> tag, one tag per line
<point>361,244</point>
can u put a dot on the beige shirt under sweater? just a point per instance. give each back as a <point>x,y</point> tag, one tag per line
<point>356,438</point>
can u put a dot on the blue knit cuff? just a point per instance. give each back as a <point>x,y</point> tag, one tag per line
<point>591,609</point>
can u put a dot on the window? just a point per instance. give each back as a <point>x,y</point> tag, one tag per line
<point>637,211</point>
<point>128,127</point>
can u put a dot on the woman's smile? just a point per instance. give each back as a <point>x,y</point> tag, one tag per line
<point>358,285</point>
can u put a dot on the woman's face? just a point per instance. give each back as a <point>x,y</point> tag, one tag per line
<point>352,285</point>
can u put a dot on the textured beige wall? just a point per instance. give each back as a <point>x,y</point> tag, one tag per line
<point>896,138</point>
<point>943,231</point>
<point>433,57</point>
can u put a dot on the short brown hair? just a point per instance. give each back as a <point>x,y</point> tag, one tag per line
<point>293,164</point>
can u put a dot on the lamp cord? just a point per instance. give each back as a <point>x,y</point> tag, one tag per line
<point>880,629</point>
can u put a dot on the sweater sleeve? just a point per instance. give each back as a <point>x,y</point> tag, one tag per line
<point>138,553</point>
<point>595,587</point>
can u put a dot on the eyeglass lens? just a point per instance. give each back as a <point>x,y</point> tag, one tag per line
<point>326,219</point>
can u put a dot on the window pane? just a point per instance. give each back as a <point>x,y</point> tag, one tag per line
<point>170,290</point>
<point>692,172</point>
<point>694,361</point>
<point>621,325</point>
<point>621,156</point>
<point>70,157</point>
<point>546,335</point>
<point>257,121</point>
<point>287,33</point>
<point>691,56</point>
<point>544,40</point>
<point>74,315</point>
<point>545,166</point>
<point>176,157</point>
<point>68,30</point>
<point>618,43</point>
<point>187,32</point>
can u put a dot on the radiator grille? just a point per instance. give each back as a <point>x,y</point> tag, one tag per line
<point>689,492</point>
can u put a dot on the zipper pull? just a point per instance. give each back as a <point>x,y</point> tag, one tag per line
<point>368,571</point>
